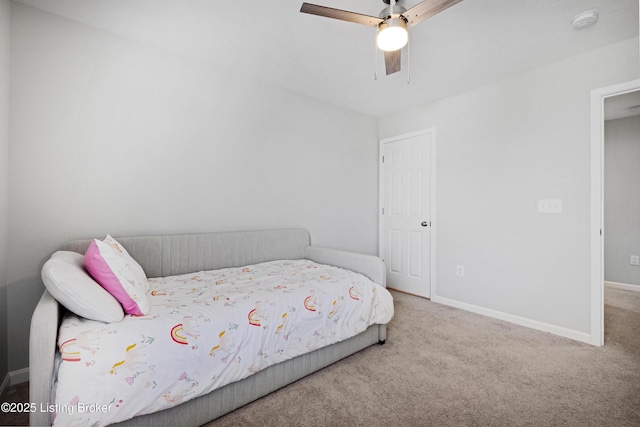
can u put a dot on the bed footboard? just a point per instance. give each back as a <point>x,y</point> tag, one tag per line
<point>42,350</point>
<point>371,266</point>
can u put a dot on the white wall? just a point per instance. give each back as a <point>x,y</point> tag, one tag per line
<point>4,176</point>
<point>621,200</point>
<point>113,136</point>
<point>500,148</point>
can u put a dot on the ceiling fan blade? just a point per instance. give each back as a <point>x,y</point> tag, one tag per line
<point>392,61</point>
<point>343,15</point>
<point>427,9</point>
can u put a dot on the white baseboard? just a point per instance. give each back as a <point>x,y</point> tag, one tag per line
<point>4,384</point>
<point>522,321</point>
<point>19,376</point>
<point>624,286</point>
<point>15,377</point>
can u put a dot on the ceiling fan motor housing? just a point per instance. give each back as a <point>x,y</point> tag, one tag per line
<point>392,11</point>
<point>392,31</point>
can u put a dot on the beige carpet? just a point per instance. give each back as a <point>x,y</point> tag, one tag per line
<point>447,367</point>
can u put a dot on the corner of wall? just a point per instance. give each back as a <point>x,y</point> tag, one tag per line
<point>5,9</point>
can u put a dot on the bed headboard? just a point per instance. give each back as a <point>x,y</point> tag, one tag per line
<point>186,253</point>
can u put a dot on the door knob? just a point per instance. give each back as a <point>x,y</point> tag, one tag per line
<point>424,224</point>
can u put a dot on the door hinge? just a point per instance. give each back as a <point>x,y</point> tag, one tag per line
<point>382,159</point>
<point>382,211</point>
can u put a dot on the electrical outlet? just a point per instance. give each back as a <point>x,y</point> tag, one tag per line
<point>550,206</point>
<point>635,260</point>
<point>460,270</point>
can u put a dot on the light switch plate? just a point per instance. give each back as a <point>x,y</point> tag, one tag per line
<point>550,205</point>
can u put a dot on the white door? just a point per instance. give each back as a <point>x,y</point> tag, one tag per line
<point>405,222</point>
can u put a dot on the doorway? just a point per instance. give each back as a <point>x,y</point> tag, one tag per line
<point>407,207</point>
<point>598,98</point>
<point>621,198</point>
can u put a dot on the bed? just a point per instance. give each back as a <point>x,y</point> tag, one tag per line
<point>232,266</point>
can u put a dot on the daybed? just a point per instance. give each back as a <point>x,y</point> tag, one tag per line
<point>172,255</point>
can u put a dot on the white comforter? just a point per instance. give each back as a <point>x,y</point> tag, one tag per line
<point>206,330</point>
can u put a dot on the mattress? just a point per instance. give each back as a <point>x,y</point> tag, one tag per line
<point>206,330</point>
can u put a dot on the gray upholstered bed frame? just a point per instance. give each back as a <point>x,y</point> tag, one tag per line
<point>177,254</point>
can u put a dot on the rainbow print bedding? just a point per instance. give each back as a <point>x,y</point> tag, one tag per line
<point>205,330</point>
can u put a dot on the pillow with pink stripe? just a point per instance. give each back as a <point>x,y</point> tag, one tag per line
<point>117,272</point>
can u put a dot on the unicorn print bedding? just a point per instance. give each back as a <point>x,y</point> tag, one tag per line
<point>205,330</point>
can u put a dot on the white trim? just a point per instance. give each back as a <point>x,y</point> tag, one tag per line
<point>432,213</point>
<point>597,206</point>
<point>522,321</point>
<point>15,377</point>
<point>19,376</point>
<point>625,286</point>
<point>434,220</point>
<point>4,384</point>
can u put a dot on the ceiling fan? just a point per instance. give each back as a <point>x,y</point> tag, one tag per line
<point>392,23</point>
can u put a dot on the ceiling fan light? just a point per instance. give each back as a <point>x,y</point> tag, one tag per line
<point>392,34</point>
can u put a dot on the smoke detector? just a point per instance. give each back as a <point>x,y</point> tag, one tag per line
<point>585,19</point>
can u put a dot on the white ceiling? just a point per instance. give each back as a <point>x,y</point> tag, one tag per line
<point>469,45</point>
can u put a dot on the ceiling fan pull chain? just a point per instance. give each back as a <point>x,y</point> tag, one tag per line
<point>408,59</point>
<point>375,70</point>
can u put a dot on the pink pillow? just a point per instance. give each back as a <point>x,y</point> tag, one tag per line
<point>114,269</point>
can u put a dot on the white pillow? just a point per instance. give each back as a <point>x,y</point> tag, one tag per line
<point>69,283</point>
<point>117,272</point>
